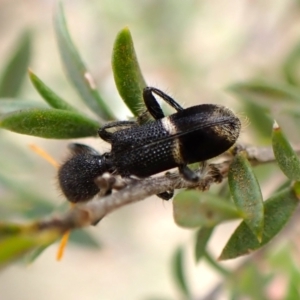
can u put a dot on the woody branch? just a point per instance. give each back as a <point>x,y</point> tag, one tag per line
<point>139,189</point>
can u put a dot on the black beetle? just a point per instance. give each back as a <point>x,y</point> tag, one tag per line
<point>190,135</point>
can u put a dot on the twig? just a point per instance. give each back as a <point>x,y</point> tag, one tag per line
<point>138,189</point>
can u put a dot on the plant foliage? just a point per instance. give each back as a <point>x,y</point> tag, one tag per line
<point>260,219</point>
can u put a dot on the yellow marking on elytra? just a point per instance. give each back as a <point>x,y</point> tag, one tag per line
<point>168,126</point>
<point>176,151</point>
<point>171,129</point>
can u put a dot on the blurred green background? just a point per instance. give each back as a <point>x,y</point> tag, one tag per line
<point>192,50</point>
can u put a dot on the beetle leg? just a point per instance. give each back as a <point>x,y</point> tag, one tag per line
<point>106,135</point>
<point>167,195</point>
<point>104,184</point>
<point>152,104</point>
<point>107,182</point>
<point>187,173</point>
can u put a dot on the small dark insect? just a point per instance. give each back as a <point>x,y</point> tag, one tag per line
<point>190,135</point>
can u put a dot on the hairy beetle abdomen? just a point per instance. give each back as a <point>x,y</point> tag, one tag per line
<point>205,131</point>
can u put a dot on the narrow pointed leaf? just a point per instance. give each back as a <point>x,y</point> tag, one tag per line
<point>35,253</point>
<point>278,210</point>
<point>292,292</point>
<point>266,92</point>
<point>202,238</point>
<point>246,193</point>
<point>34,205</point>
<point>282,260</point>
<point>8,105</point>
<point>49,123</point>
<point>49,95</point>
<point>291,66</point>
<point>15,71</point>
<point>179,274</point>
<point>83,238</point>
<point>127,73</point>
<point>16,246</point>
<point>259,117</point>
<point>194,209</point>
<point>216,265</point>
<point>284,185</point>
<point>246,278</point>
<point>10,229</point>
<point>293,113</point>
<point>76,70</point>
<point>286,157</point>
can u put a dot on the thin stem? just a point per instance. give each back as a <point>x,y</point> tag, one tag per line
<point>215,265</point>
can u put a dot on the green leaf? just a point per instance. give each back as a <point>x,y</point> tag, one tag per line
<point>15,70</point>
<point>202,238</point>
<point>49,123</point>
<point>51,98</point>
<point>278,210</point>
<point>244,280</point>
<point>76,70</point>
<point>285,262</point>
<point>287,183</point>
<point>10,229</point>
<point>83,238</point>
<point>127,73</point>
<point>36,207</point>
<point>179,272</point>
<point>216,265</point>
<point>194,209</point>
<point>292,112</point>
<point>266,92</point>
<point>8,105</point>
<point>286,157</point>
<point>16,246</point>
<point>259,118</point>
<point>292,291</point>
<point>246,193</point>
<point>35,253</point>
<point>31,204</point>
<point>291,66</point>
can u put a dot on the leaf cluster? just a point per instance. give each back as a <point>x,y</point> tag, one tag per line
<point>261,219</point>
